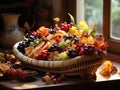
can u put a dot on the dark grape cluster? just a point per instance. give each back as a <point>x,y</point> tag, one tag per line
<point>76,40</point>
<point>21,47</point>
<point>68,36</point>
<point>53,48</point>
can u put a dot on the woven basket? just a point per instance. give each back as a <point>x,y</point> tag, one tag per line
<point>75,66</point>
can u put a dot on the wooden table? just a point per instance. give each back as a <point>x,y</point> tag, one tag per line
<point>71,83</point>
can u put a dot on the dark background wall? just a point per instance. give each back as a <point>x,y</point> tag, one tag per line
<point>58,8</point>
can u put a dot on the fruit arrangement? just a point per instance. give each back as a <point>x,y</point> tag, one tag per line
<point>108,69</point>
<point>63,42</point>
<point>67,48</point>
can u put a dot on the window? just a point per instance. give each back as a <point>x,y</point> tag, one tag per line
<point>94,13</point>
<point>110,25</point>
<point>115,19</point>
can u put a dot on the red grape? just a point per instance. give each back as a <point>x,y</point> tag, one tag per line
<point>55,81</point>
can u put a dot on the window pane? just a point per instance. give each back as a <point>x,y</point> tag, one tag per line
<point>94,13</point>
<point>115,19</point>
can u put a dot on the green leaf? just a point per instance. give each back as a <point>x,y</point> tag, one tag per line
<point>72,18</point>
<point>93,33</point>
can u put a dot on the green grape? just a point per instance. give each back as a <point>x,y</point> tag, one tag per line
<point>1,54</point>
<point>67,43</point>
<point>32,44</point>
<point>39,39</point>
<point>56,58</point>
<point>36,42</point>
<point>64,56</point>
<point>61,56</point>
<point>2,58</point>
<point>47,79</point>
<point>63,44</point>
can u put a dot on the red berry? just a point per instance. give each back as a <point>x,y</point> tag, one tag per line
<point>62,24</point>
<point>23,75</point>
<point>60,79</point>
<point>53,76</point>
<point>34,33</point>
<point>65,27</point>
<point>48,74</point>
<point>85,35</point>
<point>42,55</point>
<point>82,51</point>
<point>36,57</point>
<point>12,72</point>
<point>57,27</point>
<point>105,46</point>
<point>57,38</point>
<point>55,81</point>
<point>114,68</point>
<point>43,79</point>
<point>69,25</point>
<point>95,44</point>
<point>100,37</point>
<point>19,71</point>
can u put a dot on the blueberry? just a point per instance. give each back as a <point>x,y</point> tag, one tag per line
<point>72,53</point>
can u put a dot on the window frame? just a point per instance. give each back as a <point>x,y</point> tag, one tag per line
<point>113,49</point>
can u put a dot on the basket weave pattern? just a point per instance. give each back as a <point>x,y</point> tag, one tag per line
<point>74,66</point>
